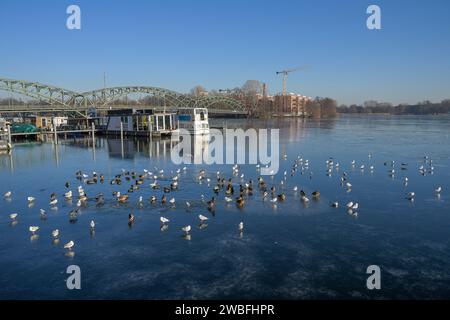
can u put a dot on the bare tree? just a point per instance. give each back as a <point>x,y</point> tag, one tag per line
<point>197,91</point>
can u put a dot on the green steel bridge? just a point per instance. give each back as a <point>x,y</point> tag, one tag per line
<point>53,98</point>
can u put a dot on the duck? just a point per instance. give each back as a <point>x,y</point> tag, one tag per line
<point>92,225</point>
<point>13,216</point>
<point>228,199</point>
<point>281,197</point>
<point>240,201</point>
<point>123,198</point>
<point>211,204</point>
<point>172,200</point>
<point>68,195</point>
<point>152,199</point>
<point>131,218</point>
<point>438,190</point>
<point>316,194</point>
<point>163,199</point>
<point>334,204</point>
<point>241,226</point>
<point>410,196</point>
<point>7,194</point>
<point>31,199</point>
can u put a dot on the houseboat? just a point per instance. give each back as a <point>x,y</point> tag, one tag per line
<point>195,120</point>
<point>141,122</point>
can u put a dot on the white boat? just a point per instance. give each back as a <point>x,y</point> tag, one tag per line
<point>195,120</point>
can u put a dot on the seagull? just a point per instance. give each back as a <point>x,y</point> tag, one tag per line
<point>295,188</point>
<point>33,229</point>
<point>350,205</point>
<point>92,224</point>
<point>68,195</point>
<point>228,199</point>
<point>31,199</point>
<point>202,218</point>
<point>42,213</point>
<point>164,220</point>
<point>55,233</point>
<point>13,216</point>
<point>7,194</point>
<point>172,200</point>
<point>186,229</point>
<point>69,245</point>
<point>241,226</point>
<point>438,190</point>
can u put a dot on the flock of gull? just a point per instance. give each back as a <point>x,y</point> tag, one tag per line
<point>224,187</point>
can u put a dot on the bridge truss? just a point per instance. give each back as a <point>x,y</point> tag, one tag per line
<point>60,99</point>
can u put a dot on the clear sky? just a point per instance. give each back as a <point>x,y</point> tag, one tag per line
<point>178,44</point>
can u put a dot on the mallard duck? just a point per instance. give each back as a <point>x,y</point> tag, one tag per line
<point>316,194</point>
<point>282,197</point>
<point>131,218</point>
<point>123,198</point>
<point>163,199</point>
<point>240,202</point>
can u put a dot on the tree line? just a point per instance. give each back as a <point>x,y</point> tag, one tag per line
<point>420,108</point>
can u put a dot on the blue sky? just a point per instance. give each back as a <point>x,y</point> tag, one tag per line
<point>178,44</point>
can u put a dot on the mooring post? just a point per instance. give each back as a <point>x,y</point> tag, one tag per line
<point>93,134</point>
<point>9,134</point>
<point>121,138</point>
